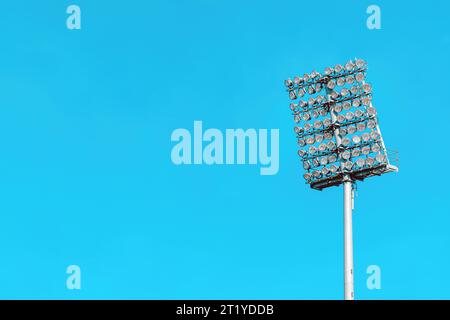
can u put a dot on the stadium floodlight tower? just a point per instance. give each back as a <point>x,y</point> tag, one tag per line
<point>338,137</point>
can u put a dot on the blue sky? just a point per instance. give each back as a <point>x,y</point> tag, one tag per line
<point>86,176</point>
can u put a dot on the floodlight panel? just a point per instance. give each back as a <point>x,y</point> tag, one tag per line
<point>336,124</point>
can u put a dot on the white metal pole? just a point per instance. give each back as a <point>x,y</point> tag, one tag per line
<point>348,205</point>
<point>348,240</point>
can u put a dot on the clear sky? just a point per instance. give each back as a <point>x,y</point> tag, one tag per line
<point>86,176</point>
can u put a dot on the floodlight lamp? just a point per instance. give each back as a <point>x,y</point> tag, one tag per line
<point>375,148</point>
<point>350,80</point>
<point>306,165</point>
<point>370,161</point>
<point>371,124</point>
<point>306,77</point>
<point>343,132</point>
<point>338,68</point>
<point>349,115</point>
<point>374,135</point>
<point>311,90</point>
<point>365,150</point>
<point>356,139</point>
<point>380,158</point>
<point>301,92</point>
<point>310,140</point>
<point>297,80</point>
<point>301,142</point>
<point>317,124</point>
<point>356,103</point>
<point>306,116</point>
<point>348,165</point>
<point>315,162</point>
<point>303,104</point>
<point>366,101</point>
<point>316,174</point>
<point>351,129</point>
<point>331,84</point>
<point>320,99</point>
<point>360,77</point>
<point>371,111</point>
<point>311,101</point>
<point>340,118</point>
<point>298,129</point>
<point>328,71</point>
<point>361,126</point>
<point>360,162</point>
<point>345,92</point>
<point>334,95</point>
<point>312,150</point>
<point>360,63</point>
<point>323,161</point>
<point>340,81</point>
<point>327,135</point>
<point>318,87</point>
<point>349,66</point>
<point>319,138</point>
<point>365,137</point>
<point>326,122</point>
<point>323,112</point>
<point>332,158</point>
<point>346,105</point>
<point>359,113</point>
<point>322,147</point>
<point>288,83</point>
<point>307,127</point>
<point>301,153</point>
<point>292,95</point>
<point>338,107</point>
<point>367,88</point>
<point>346,155</point>
<point>354,90</point>
<point>297,119</point>
<point>345,142</point>
<point>333,168</point>
<point>325,171</point>
<point>356,152</point>
<point>307,176</point>
<point>331,145</point>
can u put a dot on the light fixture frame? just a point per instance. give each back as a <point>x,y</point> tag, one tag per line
<point>315,79</point>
